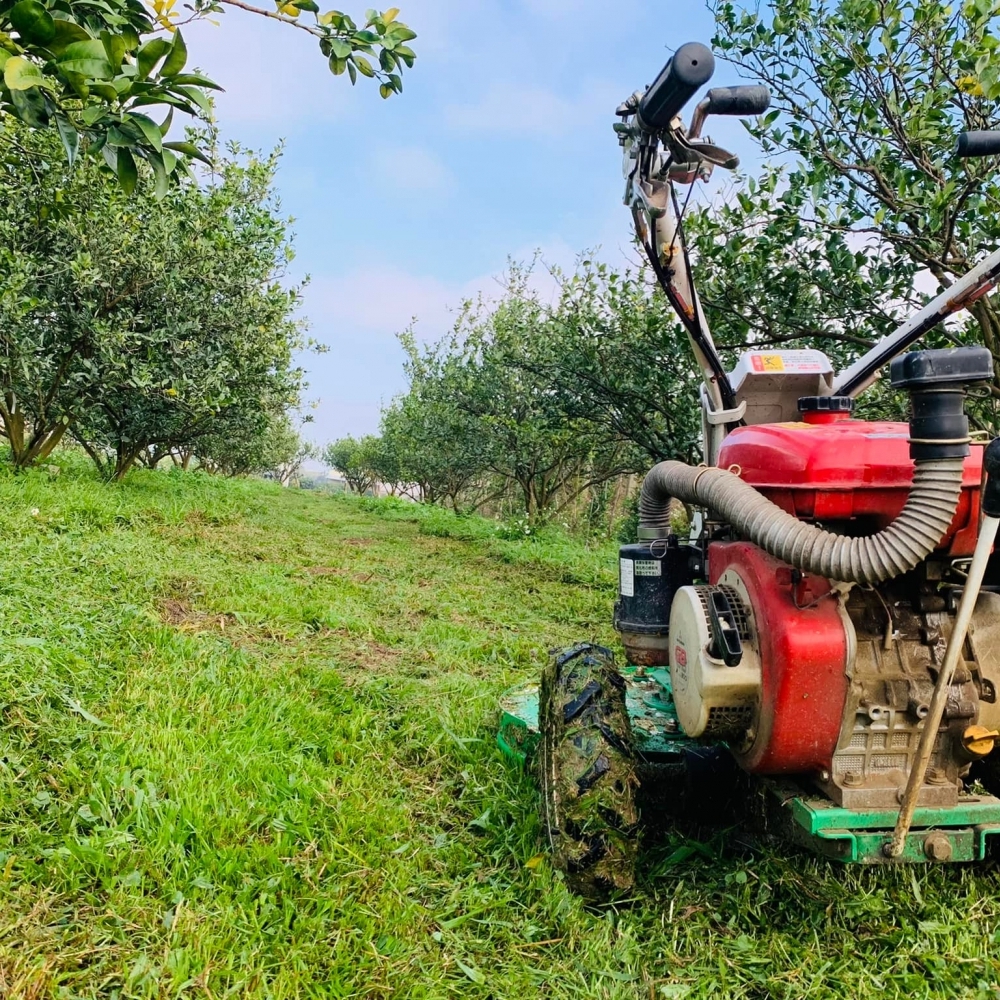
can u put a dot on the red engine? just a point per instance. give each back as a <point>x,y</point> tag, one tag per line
<point>831,468</point>
<point>833,700</point>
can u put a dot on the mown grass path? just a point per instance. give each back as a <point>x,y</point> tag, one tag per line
<point>247,751</point>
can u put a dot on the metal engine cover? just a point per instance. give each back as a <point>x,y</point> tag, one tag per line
<point>712,698</point>
<point>805,655</point>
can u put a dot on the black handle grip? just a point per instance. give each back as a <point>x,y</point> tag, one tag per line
<point>691,67</point>
<point>990,500</point>
<point>726,642</point>
<point>738,100</point>
<point>979,144</point>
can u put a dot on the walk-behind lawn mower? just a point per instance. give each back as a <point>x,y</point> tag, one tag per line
<point>830,617</point>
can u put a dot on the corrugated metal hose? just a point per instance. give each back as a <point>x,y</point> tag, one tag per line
<point>929,510</point>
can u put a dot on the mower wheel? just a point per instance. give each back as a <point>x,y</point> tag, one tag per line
<point>588,771</point>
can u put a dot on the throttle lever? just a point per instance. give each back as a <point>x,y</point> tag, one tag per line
<point>986,143</point>
<point>741,101</point>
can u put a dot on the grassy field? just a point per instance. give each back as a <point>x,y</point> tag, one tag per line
<point>247,751</point>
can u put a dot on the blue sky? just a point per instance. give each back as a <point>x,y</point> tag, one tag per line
<point>500,144</point>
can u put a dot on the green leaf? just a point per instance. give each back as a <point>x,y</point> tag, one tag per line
<point>401,32</point>
<point>116,137</point>
<point>75,706</point>
<point>177,58</point>
<point>309,5</point>
<point>196,80</point>
<point>32,22</point>
<point>162,98</point>
<point>471,971</point>
<point>128,173</point>
<point>160,183</point>
<point>149,129</point>
<point>70,138</point>
<point>167,122</point>
<point>352,72</point>
<point>195,96</point>
<point>337,65</point>
<point>188,149</point>
<point>66,33</point>
<point>29,105</point>
<point>92,115</point>
<point>20,74</point>
<point>364,66</point>
<point>340,48</point>
<point>105,91</point>
<point>149,55</point>
<point>114,49</point>
<point>88,59</point>
<point>385,90</point>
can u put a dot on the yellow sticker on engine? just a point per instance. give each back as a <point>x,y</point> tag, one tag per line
<point>767,363</point>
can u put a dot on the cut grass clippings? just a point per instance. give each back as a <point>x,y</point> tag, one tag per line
<point>248,751</point>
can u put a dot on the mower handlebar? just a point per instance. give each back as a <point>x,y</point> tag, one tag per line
<point>743,101</point>
<point>691,67</point>
<point>978,144</point>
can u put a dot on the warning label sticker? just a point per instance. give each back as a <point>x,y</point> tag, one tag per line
<point>789,361</point>
<point>767,363</point>
<point>648,567</point>
<point>627,578</point>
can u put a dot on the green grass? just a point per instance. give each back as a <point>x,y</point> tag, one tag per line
<point>247,751</point>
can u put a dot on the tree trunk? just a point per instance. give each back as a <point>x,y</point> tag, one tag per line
<point>44,443</point>
<point>125,458</point>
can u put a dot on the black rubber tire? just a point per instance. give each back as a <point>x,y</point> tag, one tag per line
<point>587,772</point>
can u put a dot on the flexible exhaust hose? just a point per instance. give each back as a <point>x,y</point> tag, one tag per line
<point>929,510</point>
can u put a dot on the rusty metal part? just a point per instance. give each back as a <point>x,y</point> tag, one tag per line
<point>889,697</point>
<point>643,650</point>
<point>956,643</point>
<point>938,847</point>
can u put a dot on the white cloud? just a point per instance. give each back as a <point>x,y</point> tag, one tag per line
<point>382,300</point>
<point>357,315</point>
<point>510,108</point>
<point>272,73</point>
<point>410,168</point>
<point>379,301</point>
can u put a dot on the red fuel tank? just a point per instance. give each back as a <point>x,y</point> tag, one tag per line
<point>840,469</point>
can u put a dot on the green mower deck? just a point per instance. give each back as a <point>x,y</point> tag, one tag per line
<point>957,833</point>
